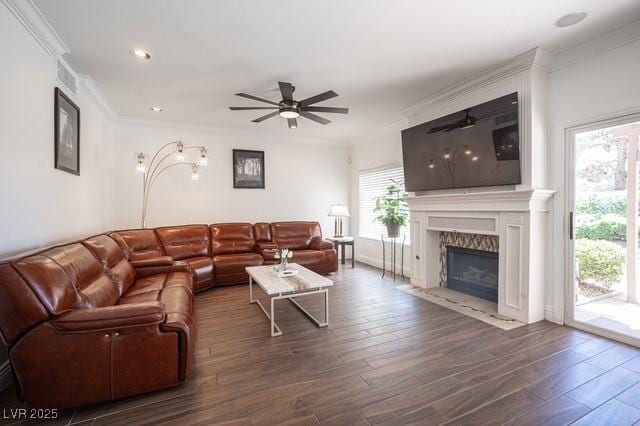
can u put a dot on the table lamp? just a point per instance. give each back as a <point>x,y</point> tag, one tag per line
<point>338,211</point>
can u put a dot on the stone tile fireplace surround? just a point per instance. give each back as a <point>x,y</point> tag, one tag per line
<point>517,220</point>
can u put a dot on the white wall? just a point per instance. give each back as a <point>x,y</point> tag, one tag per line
<point>40,205</point>
<point>303,177</point>
<point>601,87</point>
<point>380,149</point>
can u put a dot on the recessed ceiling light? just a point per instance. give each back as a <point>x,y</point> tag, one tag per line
<point>570,19</point>
<point>140,53</point>
<point>156,109</point>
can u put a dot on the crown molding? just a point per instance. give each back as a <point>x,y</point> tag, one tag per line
<point>610,41</point>
<point>36,24</point>
<point>91,90</point>
<point>536,58</point>
<point>397,125</point>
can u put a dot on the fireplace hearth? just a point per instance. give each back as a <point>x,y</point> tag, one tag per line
<point>474,272</point>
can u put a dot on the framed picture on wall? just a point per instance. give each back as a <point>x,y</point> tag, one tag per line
<point>248,169</point>
<point>66,123</point>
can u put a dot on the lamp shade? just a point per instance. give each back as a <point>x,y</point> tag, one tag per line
<point>338,210</point>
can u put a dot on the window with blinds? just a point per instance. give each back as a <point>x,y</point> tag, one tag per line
<point>373,184</point>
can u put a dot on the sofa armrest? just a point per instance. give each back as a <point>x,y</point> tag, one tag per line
<point>153,261</point>
<point>320,244</point>
<point>267,250</point>
<point>110,317</point>
<point>154,270</point>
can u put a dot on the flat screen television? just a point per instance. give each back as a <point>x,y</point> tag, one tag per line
<point>479,146</point>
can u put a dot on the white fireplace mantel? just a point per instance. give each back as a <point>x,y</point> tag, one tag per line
<point>518,218</point>
<point>530,200</point>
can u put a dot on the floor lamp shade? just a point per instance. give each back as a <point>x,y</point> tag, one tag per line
<point>338,211</point>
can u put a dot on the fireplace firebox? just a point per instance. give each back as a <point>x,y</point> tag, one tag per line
<point>474,272</point>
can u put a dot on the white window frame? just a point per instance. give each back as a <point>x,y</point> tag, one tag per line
<point>378,179</point>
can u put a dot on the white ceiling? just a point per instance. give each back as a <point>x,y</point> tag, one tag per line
<point>380,56</point>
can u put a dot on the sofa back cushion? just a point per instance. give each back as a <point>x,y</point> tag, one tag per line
<point>294,235</point>
<point>228,238</point>
<point>93,286</point>
<point>262,232</point>
<point>20,308</point>
<point>182,242</point>
<point>113,260</point>
<point>139,244</point>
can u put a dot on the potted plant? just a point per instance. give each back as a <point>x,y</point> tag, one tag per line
<point>393,210</point>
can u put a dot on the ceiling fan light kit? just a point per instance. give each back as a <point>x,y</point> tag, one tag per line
<point>291,109</point>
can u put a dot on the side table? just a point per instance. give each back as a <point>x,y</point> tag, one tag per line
<point>342,242</point>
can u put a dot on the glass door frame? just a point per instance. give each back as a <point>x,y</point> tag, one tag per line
<point>568,237</point>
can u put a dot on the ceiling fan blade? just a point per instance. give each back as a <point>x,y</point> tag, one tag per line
<point>318,98</point>
<point>255,98</point>
<point>287,91</point>
<point>264,117</point>
<point>314,117</point>
<point>326,109</point>
<point>249,108</point>
<point>292,122</point>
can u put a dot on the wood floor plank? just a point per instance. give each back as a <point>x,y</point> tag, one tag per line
<point>613,412</point>
<point>557,412</point>
<point>502,410</point>
<point>604,387</point>
<point>473,398</point>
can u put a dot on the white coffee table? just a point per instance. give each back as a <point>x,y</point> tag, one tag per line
<point>306,283</point>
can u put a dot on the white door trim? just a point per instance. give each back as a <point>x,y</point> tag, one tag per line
<point>569,265</point>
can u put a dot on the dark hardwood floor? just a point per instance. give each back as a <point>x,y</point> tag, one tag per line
<point>386,358</point>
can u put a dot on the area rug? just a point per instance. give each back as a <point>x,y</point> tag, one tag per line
<point>480,309</point>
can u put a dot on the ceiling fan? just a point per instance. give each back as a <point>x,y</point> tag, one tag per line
<point>465,123</point>
<point>291,109</point>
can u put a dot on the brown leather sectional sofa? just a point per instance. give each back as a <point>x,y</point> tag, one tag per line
<point>112,316</point>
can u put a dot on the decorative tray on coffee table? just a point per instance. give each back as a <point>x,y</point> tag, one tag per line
<point>286,272</point>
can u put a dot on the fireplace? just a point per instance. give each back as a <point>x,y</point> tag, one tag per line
<point>474,272</point>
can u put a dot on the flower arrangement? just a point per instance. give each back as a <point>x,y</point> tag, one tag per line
<point>284,254</point>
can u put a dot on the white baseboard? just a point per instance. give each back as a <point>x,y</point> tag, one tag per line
<point>5,375</point>
<point>376,262</point>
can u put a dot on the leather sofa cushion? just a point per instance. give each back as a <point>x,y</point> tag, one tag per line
<point>228,238</point>
<point>50,283</point>
<point>295,235</point>
<point>69,277</point>
<point>183,242</point>
<point>157,283</point>
<point>113,260</point>
<point>20,309</point>
<point>262,232</point>
<point>308,257</point>
<point>139,244</point>
<point>229,268</point>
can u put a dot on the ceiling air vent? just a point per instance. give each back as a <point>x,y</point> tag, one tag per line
<point>66,77</point>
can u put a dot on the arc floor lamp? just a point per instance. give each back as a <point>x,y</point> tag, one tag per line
<point>168,156</point>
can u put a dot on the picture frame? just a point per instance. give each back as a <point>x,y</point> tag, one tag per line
<point>66,131</point>
<point>248,169</point>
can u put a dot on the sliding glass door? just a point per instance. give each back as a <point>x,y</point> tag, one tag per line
<point>604,289</point>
